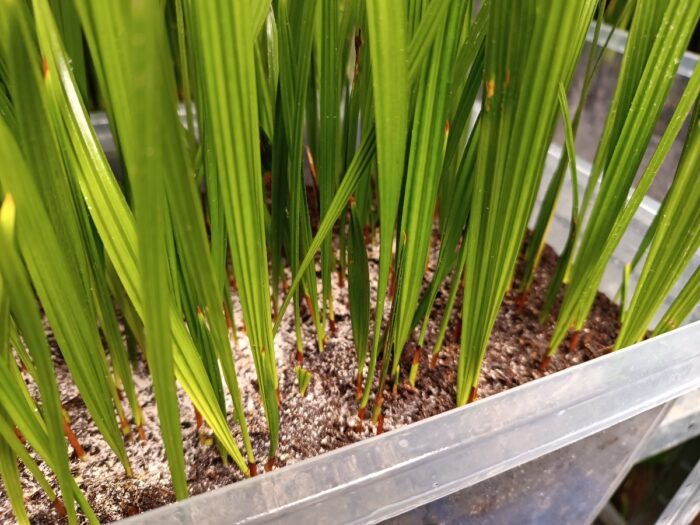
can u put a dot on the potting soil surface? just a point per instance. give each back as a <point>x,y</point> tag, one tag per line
<point>326,417</point>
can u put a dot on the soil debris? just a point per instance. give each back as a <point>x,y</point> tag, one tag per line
<point>325,418</point>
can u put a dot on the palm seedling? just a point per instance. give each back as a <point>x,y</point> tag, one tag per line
<point>312,128</point>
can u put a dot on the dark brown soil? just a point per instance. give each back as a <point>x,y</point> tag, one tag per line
<point>326,417</point>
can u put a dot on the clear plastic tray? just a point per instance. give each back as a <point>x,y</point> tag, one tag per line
<point>408,468</point>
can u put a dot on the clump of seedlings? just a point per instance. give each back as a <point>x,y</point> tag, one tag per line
<point>312,129</point>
